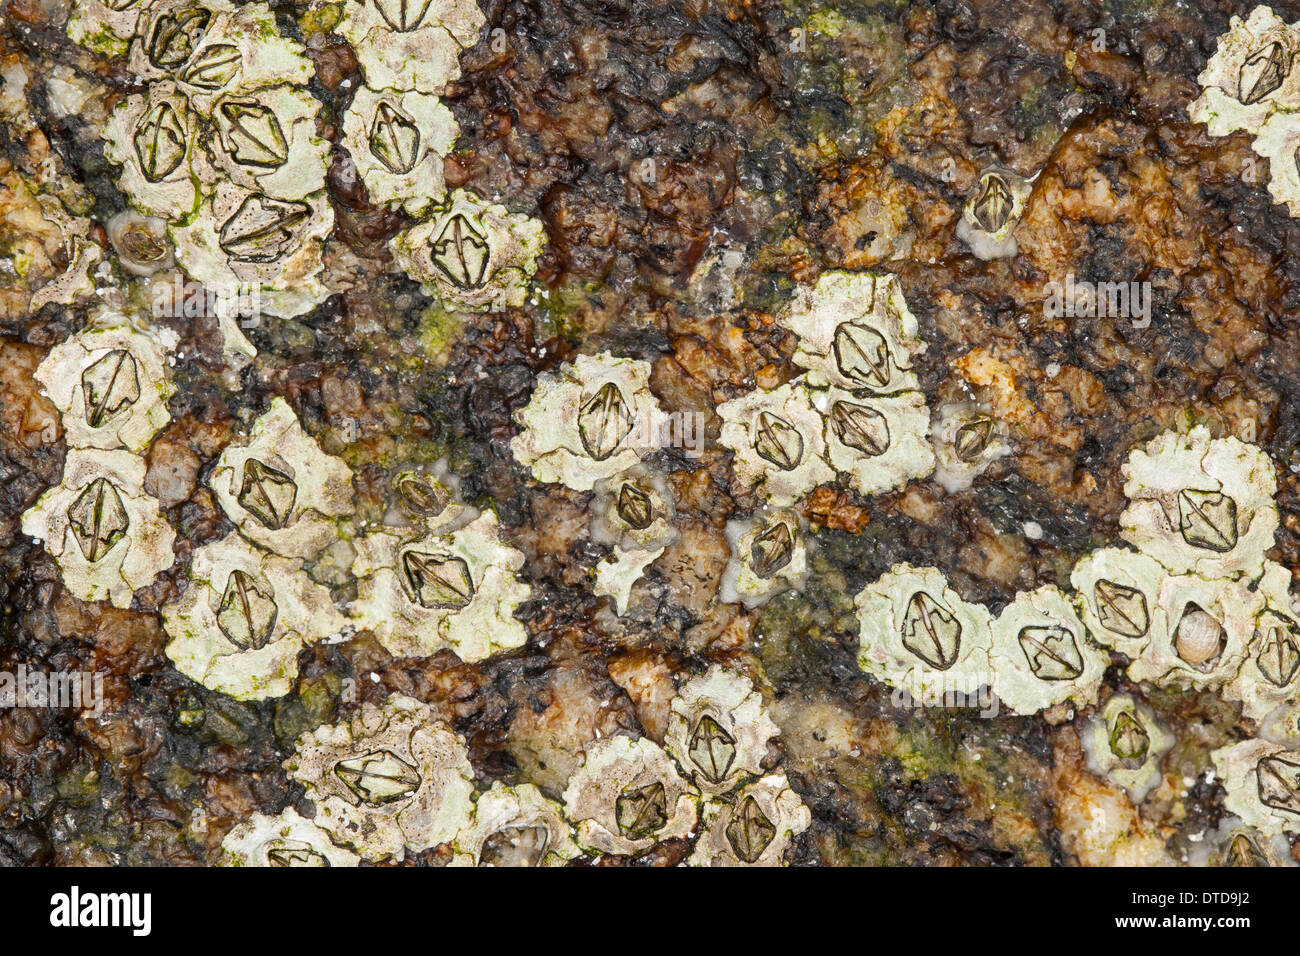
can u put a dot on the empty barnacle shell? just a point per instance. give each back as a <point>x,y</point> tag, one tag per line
<point>437,581</point>
<point>1207,519</point>
<point>862,355</point>
<point>267,493</point>
<point>378,777</point>
<point>604,421</point>
<point>515,827</point>
<point>860,427</point>
<point>1199,638</point>
<point>772,549</point>
<point>1052,651</point>
<point>286,840</point>
<point>247,613</point>
<point>140,242</point>
<point>753,827</point>
<point>718,730</point>
<point>1200,633</point>
<point>931,631</point>
<point>98,518</point>
<point>514,846</point>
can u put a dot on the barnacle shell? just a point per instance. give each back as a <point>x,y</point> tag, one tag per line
<point>1263,784</point>
<point>880,442</point>
<point>1200,629</point>
<point>1250,74</point>
<point>752,827</point>
<point>106,28</point>
<point>718,730</point>
<point>515,826</point>
<point>154,137</point>
<point>769,555</point>
<point>284,840</point>
<point>266,141</point>
<point>397,142</point>
<point>1279,142</point>
<point>1115,591</point>
<point>966,440</point>
<point>1126,744</point>
<point>1269,677</point>
<point>992,212</point>
<point>777,435</point>
<point>633,514</point>
<point>1042,653</point>
<point>410,44</point>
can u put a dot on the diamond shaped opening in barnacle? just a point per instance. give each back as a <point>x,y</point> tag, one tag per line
<point>394,139</point>
<point>750,832</point>
<point>860,427</point>
<point>262,229</point>
<point>213,67</point>
<point>772,550</point>
<point>778,441</point>
<point>98,519</point>
<point>378,777</point>
<point>1121,609</point>
<point>993,204</point>
<point>1242,852</point>
<point>1279,651</point>
<point>253,135</point>
<point>515,846</point>
<point>267,494</point>
<point>1199,639</point>
<point>461,253</point>
<point>634,507</point>
<point>175,35</point>
<point>642,811</point>
<point>1129,740</point>
<point>1279,783</point>
<point>1052,652</point>
<point>110,384</point>
<point>247,612</point>
<point>420,495</point>
<point>1208,519</point>
<point>295,855</point>
<point>862,354</point>
<point>1262,73</point>
<point>712,749</point>
<point>403,15</point>
<point>436,582</point>
<point>604,421</point>
<point>159,142</point>
<point>973,438</point>
<point>931,631</point>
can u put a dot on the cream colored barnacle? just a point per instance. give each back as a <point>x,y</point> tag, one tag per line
<point>154,137</point>
<point>769,555</point>
<point>107,535</point>
<point>287,840</point>
<point>1200,629</point>
<point>473,255</point>
<point>1116,591</point>
<point>1279,142</point>
<point>1250,74</point>
<point>397,142</point>
<point>140,242</point>
<point>1043,655</point>
<point>266,141</point>
<point>1201,505</point>
<point>453,585</point>
<point>992,212</point>
<point>966,439</point>
<point>779,443</point>
<point>627,796</point>
<point>282,492</point>
<point>918,634</point>
<point>590,421</point>
<point>1126,744</point>
<point>105,26</point>
<point>1269,676</point>
<point>111,384</point>
<point>410,44</point>
<point>856,332</point>
<point>632,514</point>
<point>515,826</point>
<point>390,777</point>
<point>1263,784</point>
<point>880,442</point>
<point>718,730</point>
<point>752,827</point>
<point>244,617</point>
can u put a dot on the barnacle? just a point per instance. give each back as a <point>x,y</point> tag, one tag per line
<point>389,778</point>
<point>880,442</point>
<point>966,440</point>
<point>111,383</point>
<point>1234,845</point>
<point>992,212</point>
<point>265,141</point>
<point>633,514</point>
<point>452,584</point>
<point>473,255</point>
<point>590,421</point>
<point>284,840</point>
<point>105,26</point>
<point>1269,677</point>
<point>752,827</point>
<point>108,536</point>
<point>410,44</point>
<point>1250,74</point>
<point>515,826</point>
<point>140,242</point>
<point>769,555</point>
<point>718,730</point>
<point>244,617</point>
<point>154,137</point>
<point>1125,743</point>
<point>1279,142</point>
<point>627,796</point>
<point>398,141</point>
<point>1263,784</point>
<point>1116,591</point>
<point>1042,653</point>
<point>777,436</point>
<point>279,488</point>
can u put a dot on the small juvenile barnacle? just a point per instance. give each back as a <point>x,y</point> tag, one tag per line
<point>388,778</point>
<point>244,617</point>
<point>991,213</point>
<point>1250,75</point>
<point>718,730</point>
<point>769,555</point>
<point>880,442</point>
<point>286,840</point>
<point>154,137</point>
<point>282,492</point>
<point>917,633</point>
<point>966,439</point>
<point>752,827</point>
<point>1043,654</point>
<point>1263,784</point>
<point>410,44</point>
<point>633,514</point>
<point>397,142</point>
<point>111,384</point>
<point>1201,505</point>
<point>266,141</point>
<point>779,443</point>
<point>423,493</point>
<point>627,796</point>
<point>1116,592</point>
<point>105,26</point>
<point>590,421</point>
<point>515,826</point>
<point>1125,743</point>
<point>107,535</point>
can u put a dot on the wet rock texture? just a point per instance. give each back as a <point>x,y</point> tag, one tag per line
<point>691,161</point>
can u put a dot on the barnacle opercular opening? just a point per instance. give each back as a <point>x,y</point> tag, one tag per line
<point>379,777</point>
<point>931,631</point>
<point>1052,652</point>
<point>98,519</point>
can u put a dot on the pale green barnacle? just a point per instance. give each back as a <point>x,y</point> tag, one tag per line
<point>244,617</point>
<point>1116,591</point>
<point>718,730</point>
<point>632,514</point>
<point>752,827</point>
<point>391,777</point>
<point>1043,654</point>
<point>452,584</point>
<point>966,440</point>
<point>1269,676</point>
<point>1201,505</point>
<point>111,384</point>
<point>880,442</point>
<point>515,826</point>
<point>1279,142</point>
<point>266,141</point>
<point>855,332</point>
<point>473,255</point>
<point>107,535</point>
<point>410,44</point>
<point>286,840</point>
<point>1126,744</point>
<point>1250,74</point>
<point>779,442</point>
<point>154,136</point>
<point>397,142</point>
<point>918,634</point>
<point>769,555</point>
<point>105,26</point>
<point>282,492</point>
<point>992,212</point>
<point>1263,784</point>
<point>627,796</point>
<point>592,420</point>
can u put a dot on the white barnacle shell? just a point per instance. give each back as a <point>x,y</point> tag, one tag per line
<point>286,840</point>
<point>515,826</point>
<point>397,142</point>
<point>410,44</point>
<point>1279,142</point>
<point>391,777</point>
<point>752,827</point>
<point>105,26</point>
<point>1263,784</point>
<point>966,440</point>
<point>266,141</point>
<point>1115,591</point>
<point>1125,743</point>
<point>244,617</point>
<point>154,137</point>
<point>880,442</point>
<point>1250,74</point>
<point>632,514</point>
<point>779,443</point>
<point>718,730</point>
<point>107,535</point>
<point>1269,677</point>
<point>282,492</point>
<point>769,555</point>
